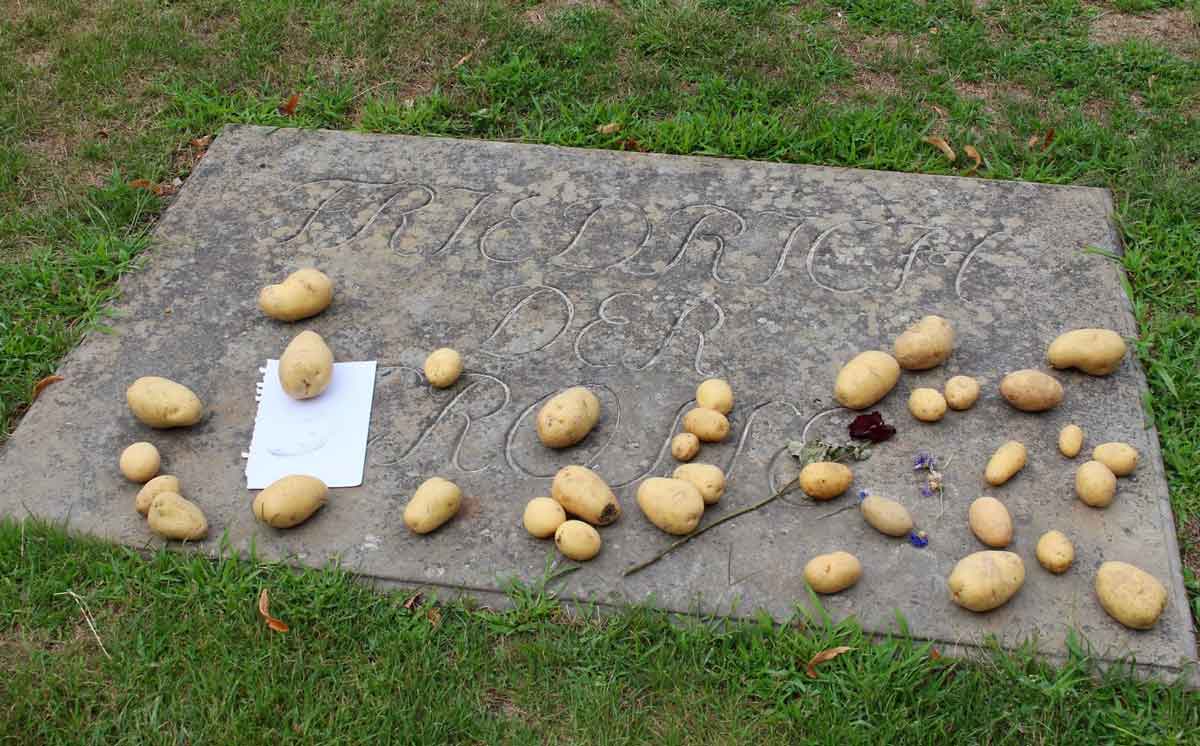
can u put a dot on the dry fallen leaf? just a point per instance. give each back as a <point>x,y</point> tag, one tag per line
<point>934,654</point>
<point>1033,140</point>
<point>142,184</point>
<point>973,154</point>
<point>414,601</point>
<point>467,57</point>
<point>42,384</point>
<point>202,143</point>
<point>630,144</point>
<point>263,609</point>
<point>609,129</point>
<point>433,615</point>
<point>825,655</point>
<point>1049,139</point>
<point>164,190</point>
<point>941,144</point>
<point>940,111</point>
<point>288,107</point>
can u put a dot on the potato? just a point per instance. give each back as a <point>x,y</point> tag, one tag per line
<point>140,462</point>
<point>927,405</point>
<point>825,480</point>
<point>708,425</point>
<point>1120,458</point>
<point>1070,440</point>
<point>290,501</point>
<point>961,392</point>
<point>583,493</point>
<point>173,517</point>
<point>1094,351</point>
<point>673,505</point>
<point>990,522</point>
<point>985,580</point>
<point>303,293</point>
<point>1095,484</point>
<point>567,417</point>
<point>715,393</point>
<point>443,367</point>
<point>833,572</point>
<point>1055,552</point>
<point>685,446</point>
<point>866,379</point>
<point>152,489</point>
<point>708,479</point>
<point>543,516</point>
<point>886,515</point>
<point>1005,462</point>
<point>1031,391</point>
<point>161,403</point>
<point>926,344</point>
<point>306,366</point>
<point>436,501</point>
<point>577,540</point>
<point>1130,595</point>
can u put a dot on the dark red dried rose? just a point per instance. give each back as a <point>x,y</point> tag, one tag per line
<point>871,427</point>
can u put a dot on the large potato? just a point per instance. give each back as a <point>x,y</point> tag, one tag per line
<point>577,540</point>
<point>140,462</point>
<point>306,366</point>
<point>583,493</point>
<point>1005,463</point>
<point>825,480</point>
<point>866,379</point>
<point>1120,458</point>
<point>927,405</point>
<point>1095,351</point>
<point>673,505</point>
<point>1031,391</point>
<point>290,501</point>
<point>152,489</point>
<point>715,393</point>
<point>926,344</point>
<point>1095,484</point>
<point>442,367</point>
<point>303,293</point>
<point>1130,595</point>
<point>162,403</point>
<point>543,516</point>
<point>1070,440</point>
<point>436,501</point>
<point>833,572</point>
<point>985,580</point>
<point>706,478</point>
<point>1055,552</point>
<point>990,522</point>
<point>685,446</point>
<point>886,515</point>
<point>173,517</point>
<point>708,425</point>
<point>961,393</point>
<point>567,417</point>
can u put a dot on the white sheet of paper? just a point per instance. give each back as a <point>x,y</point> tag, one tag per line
<point>325,437</point>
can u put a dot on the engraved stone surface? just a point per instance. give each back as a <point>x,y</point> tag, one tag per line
<point>638,276</point>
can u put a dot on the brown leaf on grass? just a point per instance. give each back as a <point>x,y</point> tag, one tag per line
<point>142,184</point>
<point>433,615</point>
<point>1033,141</point>
<point>467,57</point>
<point>264,609</point>
<point>164,190</point>
<point>973,154</point>
<point>934,655</point>
<point>202,143</point>
<point>630,144</point>
<point>414,601</point>
<point>288,108</point>
<point>940,111</point>
<point>41,385</point>
<point>611,128</point>
<point>825,655</point>
<point>941,144</point>
<point>1048,140</point>
<point>1045,141</point>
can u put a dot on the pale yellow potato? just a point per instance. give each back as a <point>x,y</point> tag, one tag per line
<point>1031,390</point>
<point>1130,595</point>
<point>715,393</point>
<point>1095,484</point>
<point>583,493</point>
<point>577,540</point>
<point>866,379</point>
<point>543,516</point>
<point>833,572</point>
<point>173,517</point>
<point>1055,552</point>
<point>961,393</point>
<point>685,446</point>
<point>290,501</point>
<point>927,405</point>
<point>990,522</point>
<point>985,580</point>
<point>886,515</point>
<point>1008,459</point>
<point>140,462</point>
<point>161,403</point>
<point>306,366</point>
<point>926,344</point>
<point>443,366</point>
<point>567,417</point>
<point>1097,352</point>
<point>436,501</point>
<point>674,505</point>
<point>152,489</point>
<point>1120,458</point>
<point>302,294</point>
<point>708,425</point>
<point>706,478</point>
<point>1070,440</point>
<point>825,480</point>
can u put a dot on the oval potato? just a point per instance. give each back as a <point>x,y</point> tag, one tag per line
<point>173,517</point>
<point>866,379</point>
<point>290,501</point>
<point>306,366</point>
<point>1120,458</point>
<point>685,446</point>
<point>1070,440</point>
<point>709,480</point>
<point>926,344</point>
<point>927,405</point>
<point>985,580</point>
<point>674,505</point>
<point>1095,484</point>
<point>442,367</point>
<point>567,417</point>
<point>583,493</point>
<point>1055,552</point>
<point>886,515</point>
<point>1008,459</point>
<point>1096,352</point>
<point>990,522</point>
<point>961,393</point>
<point>708,425</point>
<point>1130,595</point>
<point>436,501</point>
<point>1031,391</point>
<point>302,294</point>
<point>161,403</point>
<point>825,480</point>
<point>151,490</point>
<point>140,462</point>
<point>543,516</point>
<point>577,540</point>
<point>833,572</point>
<point>715,393</point>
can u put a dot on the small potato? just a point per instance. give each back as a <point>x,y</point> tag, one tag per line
<point>161,403</point>
<point>990,522</point>
<point>825,480</point>
<point>926,344</point>
<point>1095,484</point>
<point>1120,458</point>
<point>715,393</point>
<point>833,572</point>
<point>708,425</point>
<point>886,515</point>
<point>567,417</point>
<point>961,393</point>
<point>685,446</point>
<point>1055,552</point>
<point>303,293</point>
<point>140,462</point>
<point>172,517</point>
<point>1008,459</point>
<point>927,405</point>
<point>152,489</point>
<point>1070,440</point>
<point>1031,391</point>
<point>583,493</point>
<point>436,501</point>
<point>290,501</point>
<point>577,540</point>
<point>675,506</point>
<point>985,580</point>
<point>866,379</point>
<point>443,367</point>
<point>543,516</point>
<point>706,478</point>
<point>1130,595</point>
<point>1097,352</point>
<point>306,366</point>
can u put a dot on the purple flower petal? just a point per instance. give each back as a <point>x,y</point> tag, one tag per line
<point>918,539</point>
<point>926,492</point>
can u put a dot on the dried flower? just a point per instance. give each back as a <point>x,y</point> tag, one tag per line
<point>871,427</point>
<point>918,539</point>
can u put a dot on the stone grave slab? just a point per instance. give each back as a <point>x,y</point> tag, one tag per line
<point>637,275</point>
